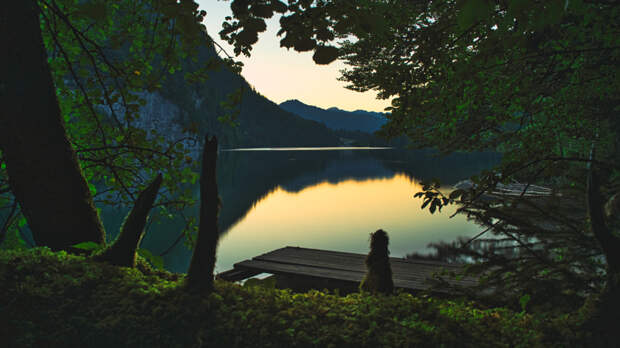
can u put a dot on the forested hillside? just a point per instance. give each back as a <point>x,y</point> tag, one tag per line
<point>259,121</point>
<point>334,118</point>
<point>354,128</point>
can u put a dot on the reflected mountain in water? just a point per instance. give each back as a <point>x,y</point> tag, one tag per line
<point>246,177</point>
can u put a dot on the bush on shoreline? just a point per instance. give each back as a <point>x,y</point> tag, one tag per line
<point>57,299</point>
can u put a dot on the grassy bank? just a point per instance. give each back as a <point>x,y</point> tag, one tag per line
<point>56,299</point>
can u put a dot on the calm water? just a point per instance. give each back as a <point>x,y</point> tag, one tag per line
<point>321,198</point>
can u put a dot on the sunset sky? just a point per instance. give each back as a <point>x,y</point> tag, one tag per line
<point>280,74</point>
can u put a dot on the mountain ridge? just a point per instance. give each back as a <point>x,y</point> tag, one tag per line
<point>337,119</point>
<point>357,111</point>
<point>259,122</point>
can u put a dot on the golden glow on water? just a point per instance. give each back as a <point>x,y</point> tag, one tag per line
<point>340,217</point>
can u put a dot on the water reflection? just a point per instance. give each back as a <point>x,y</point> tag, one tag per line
<point>319,199</point>
<point>340,217</point>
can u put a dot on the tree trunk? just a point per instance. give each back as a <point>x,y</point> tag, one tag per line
<point>200,273</point>
<point>44,174</point>
<point>123,251</point>
<point>606,315</point>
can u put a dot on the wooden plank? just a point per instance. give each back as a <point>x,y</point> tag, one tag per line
<point>330,253</point>
<point>288,269</point>
<point>350,261</point>
<point>401,268</point>
<point>326,262</point>
<point>234,274</point>
<point>276,267</point>
<point>404,276</point>
<point>341,266</point>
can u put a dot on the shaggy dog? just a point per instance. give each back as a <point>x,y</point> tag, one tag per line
<point>378,277</point>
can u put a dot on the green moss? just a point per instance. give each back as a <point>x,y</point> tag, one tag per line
<point>57,299</point>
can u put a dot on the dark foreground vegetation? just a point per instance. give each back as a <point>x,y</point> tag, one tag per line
<point>536,81</point>
<point>58,299</point>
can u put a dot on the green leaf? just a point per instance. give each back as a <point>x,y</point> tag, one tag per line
<point>551,15</point>
<point>261,10</point>
<point>456,193</point>
<point>239,7</point>
<point>325,54</point>
<point>87,246</point>
<point>13,240</point>
<point>95,10</point>
<point>426,203</point>
<point>473,11</point>
<point>523,301</point>
<point>279,6</point>
<point>516,7</point>
<point>433,206</point>
<point>155,260</point>
<point>248,37</point>
<point>92,188</point>
<point>304,45</point>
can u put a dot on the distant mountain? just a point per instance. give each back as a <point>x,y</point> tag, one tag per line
<point>336,119</point>
<point>259,123</point>
<point>379,115</point>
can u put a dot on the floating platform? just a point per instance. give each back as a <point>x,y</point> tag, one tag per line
<point>302,269</point>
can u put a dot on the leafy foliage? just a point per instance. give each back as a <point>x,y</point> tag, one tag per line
<point>155,260</point>
<point>535,80</point>
<point>306,25</point>
<point>152,308</point>
<point>104,56</point>
<point>88,246</point>
<point>212,105</point>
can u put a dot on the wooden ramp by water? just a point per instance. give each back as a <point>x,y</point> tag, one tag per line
<point>302,269</point>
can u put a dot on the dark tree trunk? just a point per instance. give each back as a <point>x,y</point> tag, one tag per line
<point>200,273</point>
<point>606,315</point>
<point>44,173</point>
<point>123,251</point>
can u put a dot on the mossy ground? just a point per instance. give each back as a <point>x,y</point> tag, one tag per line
<point>57,299</point>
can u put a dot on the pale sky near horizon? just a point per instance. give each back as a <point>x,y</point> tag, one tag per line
<point>280,74</point>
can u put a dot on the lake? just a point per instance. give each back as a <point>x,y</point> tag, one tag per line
<point>325,198</point>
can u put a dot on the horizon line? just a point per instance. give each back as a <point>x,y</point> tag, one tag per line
<point>318,148</point>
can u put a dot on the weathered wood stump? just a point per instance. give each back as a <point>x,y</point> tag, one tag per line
<point>200,273</point>
<point>123,251</point>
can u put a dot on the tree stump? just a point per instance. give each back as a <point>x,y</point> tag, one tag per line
<point>123,251</point>
<point>200,273</point>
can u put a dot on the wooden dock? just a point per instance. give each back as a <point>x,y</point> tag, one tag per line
<point>301,269</point>
<point>513,190</point>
